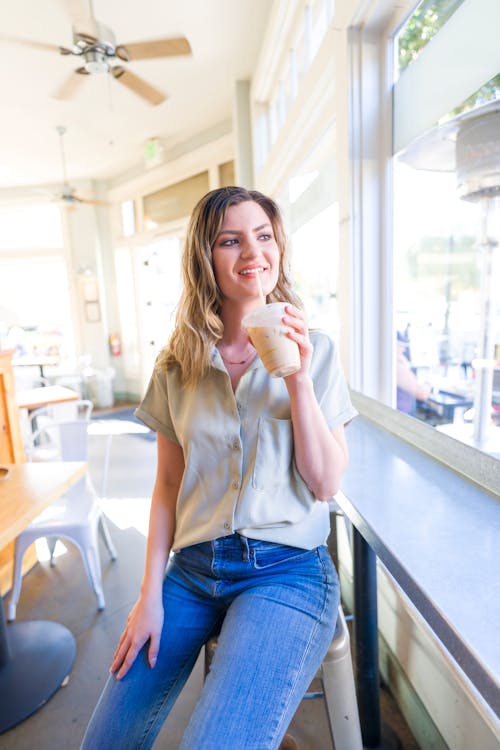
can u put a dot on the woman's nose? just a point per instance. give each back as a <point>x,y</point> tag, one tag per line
<point>249,248</point>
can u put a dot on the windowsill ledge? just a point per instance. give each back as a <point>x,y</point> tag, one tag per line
<point>431,513</point>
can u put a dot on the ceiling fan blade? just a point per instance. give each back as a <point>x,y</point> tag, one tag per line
<point>91,201</point>
<point>30,43</point>
<point>158,48</point>
<point>67,205</point>
<point>138,85</point>
<point>69,87</point>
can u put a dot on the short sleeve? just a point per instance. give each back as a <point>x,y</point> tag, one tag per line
<point>154,409</point>
<point>329,381</point>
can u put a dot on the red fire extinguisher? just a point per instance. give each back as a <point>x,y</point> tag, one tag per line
<point>115,344</point>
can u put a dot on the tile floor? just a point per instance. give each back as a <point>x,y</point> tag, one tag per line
<point>63,594</point>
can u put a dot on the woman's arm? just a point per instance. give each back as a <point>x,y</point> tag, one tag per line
<point>145,621</point>
<point>407,380</point>
<point>321,454</point>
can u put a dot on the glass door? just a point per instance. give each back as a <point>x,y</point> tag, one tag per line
<point>157,273</point>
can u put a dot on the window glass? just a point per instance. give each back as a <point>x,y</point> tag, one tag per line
<point>446,238</point>
<point>30,226</point>
<point>35,310</point>
<point>487,93</point>
<point>128,218</point>
<point>422,25</point>
<point>314,267</point>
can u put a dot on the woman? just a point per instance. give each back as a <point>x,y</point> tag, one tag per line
<point>245,465</point>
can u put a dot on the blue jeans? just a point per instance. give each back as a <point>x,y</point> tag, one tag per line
<point>274,608</point>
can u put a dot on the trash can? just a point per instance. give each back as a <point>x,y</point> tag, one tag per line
<point>99,386</point>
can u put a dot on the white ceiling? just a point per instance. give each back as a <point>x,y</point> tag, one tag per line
<point>107,125</point>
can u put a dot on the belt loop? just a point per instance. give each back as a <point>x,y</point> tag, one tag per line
<point>246,549</point>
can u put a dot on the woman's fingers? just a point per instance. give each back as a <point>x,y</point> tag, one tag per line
<point>297,323</point>
<point>295,319</point>
<point>144,623</point>
<point>154,647</point>
<point>120,653</point>
<point>298,331</point>
<point>125,656</point>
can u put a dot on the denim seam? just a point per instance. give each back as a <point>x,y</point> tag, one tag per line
<point>306,651</point>
<point>165,696</point>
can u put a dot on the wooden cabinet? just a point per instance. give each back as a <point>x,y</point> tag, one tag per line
<point>11,451</point>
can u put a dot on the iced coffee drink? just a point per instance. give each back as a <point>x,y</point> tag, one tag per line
<point>279,354</point>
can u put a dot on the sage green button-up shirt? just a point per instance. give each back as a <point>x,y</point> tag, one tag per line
<point>240,474</point>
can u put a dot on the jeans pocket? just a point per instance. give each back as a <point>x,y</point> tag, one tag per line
<point>196,558</point>
<point>267,555</point>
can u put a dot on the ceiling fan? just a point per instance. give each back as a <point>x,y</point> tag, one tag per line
<point>95,46</point>
<point>67,196</point>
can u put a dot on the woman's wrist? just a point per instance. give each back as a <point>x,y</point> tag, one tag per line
<point>300,383</point>
<point>150,593</point>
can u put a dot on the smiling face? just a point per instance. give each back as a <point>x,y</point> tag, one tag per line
<point>244,247</point>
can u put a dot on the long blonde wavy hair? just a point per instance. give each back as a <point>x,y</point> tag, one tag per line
<point>198,326</point>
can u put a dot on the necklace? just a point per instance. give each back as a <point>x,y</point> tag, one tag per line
<point>241,362</point>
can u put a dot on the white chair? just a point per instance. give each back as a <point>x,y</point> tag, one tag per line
<point>77,516</point>
<point>339,690</point>
<point>46,446</point>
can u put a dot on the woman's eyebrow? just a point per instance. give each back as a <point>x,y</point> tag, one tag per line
<point>237,231</point>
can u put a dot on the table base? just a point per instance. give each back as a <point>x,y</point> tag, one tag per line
<point>41,655</point>
<point>388,740</point>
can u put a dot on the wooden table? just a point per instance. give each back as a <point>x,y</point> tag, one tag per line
<point>44,396</point>
<point>35,656</point>
<point>40,362</point>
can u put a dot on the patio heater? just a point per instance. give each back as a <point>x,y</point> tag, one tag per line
<point>469,145</point>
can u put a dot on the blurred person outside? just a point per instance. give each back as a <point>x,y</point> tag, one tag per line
<point>409,388</point>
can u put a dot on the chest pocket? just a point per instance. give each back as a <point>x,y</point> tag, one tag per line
<point>273,458</point>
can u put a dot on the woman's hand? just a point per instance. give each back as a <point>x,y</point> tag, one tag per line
<point>144,623</point>
<point>295,320</point>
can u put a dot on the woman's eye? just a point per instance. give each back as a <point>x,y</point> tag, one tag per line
<point>229,242</point>
<point>265,237</point>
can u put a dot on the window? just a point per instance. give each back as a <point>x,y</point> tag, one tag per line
<point>128,218</point>
<point>422,25</point>
<point>30,226</point>
<point>446,226</point>
<point>314,268</point>
<point>35,309</point>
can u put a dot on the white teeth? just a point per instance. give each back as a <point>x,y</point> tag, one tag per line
<point>252,271</point>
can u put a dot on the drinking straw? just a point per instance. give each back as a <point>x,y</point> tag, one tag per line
<point>259,285</point>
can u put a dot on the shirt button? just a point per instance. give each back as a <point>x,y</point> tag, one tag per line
<point>227,525</point>
<point>236,484</point>
<point>236,444</point>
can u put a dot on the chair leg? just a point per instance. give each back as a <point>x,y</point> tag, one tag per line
<point>92,564</point>
<point>51,544</point>
<point>340,692</point>
<point>106,536</point>
<point>17,579</point>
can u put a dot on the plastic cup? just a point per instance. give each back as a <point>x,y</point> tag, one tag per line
<point>279,354</point>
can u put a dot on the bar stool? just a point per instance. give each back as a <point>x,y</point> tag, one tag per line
<point>338,688</point>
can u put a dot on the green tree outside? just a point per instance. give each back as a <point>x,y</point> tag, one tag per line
<point>423,24</point>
